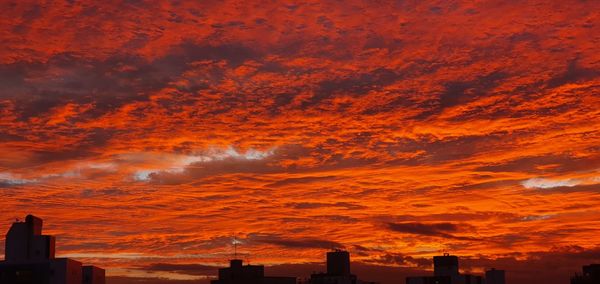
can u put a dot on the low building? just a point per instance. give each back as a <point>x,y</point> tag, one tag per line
<point>429,280</point>
<point>237,273</point>
<point>591,275</point>
<point>93,275</point>
<point>495,276</point>
<point>446,271</point>
<point>30,259</point>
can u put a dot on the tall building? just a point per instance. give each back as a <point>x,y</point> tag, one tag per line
<point>237,273</point>
<point>30,259</point>
<point>591,275</point>
<point>445,271</point>
<point>338,263</point>
<point>495,276</point>
<point>446,265</point>
<point>24,241</point>
<point>338,270</point>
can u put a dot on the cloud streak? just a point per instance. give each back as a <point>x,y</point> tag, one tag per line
<point>546,183</point>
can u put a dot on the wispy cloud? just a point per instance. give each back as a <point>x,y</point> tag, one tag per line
<point>545,183</point>
<point>176,163</point>
<point>79,170</point>
<point>549,183</point>
<point>13,179</point>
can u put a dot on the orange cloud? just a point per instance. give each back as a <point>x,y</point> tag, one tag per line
<point>148,134</point>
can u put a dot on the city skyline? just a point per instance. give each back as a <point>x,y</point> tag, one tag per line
<point>29,252</point>
<point>152,135</point>
<point>30,258</point>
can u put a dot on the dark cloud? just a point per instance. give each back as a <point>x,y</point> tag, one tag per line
<point>573,73</point>
<point>398,259</point>
<point>462,92</point>
<point>88,145</point>
<point>436,151</point>
<point>423,229</point>
<point>304,243</point>
<point>301,180</point>
<point>6,184</point>
<point>355,84</point>
<point>507,240</point>
<point>7,137</point>
<point>441,230</point>
<point>189,269</point>
<point>561,163</point>
<point>107,83</point>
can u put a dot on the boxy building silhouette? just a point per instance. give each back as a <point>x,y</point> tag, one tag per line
<point>338,270</point>
<point>237,273</point>
<point>591,275</point>
<point>446,271</point>
<point>495,276</point>
<point>30,259</point>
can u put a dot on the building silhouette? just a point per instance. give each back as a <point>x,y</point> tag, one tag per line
<point>495,276</point>
<point>591,275</point>
<point>237,273</point>
<point>338,270</point>
<point>428,280</point>
<point>446,271</point>
<point>446,265</point>
<point>30,259</point>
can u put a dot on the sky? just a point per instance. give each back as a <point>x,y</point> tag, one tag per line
<point>152,135</point>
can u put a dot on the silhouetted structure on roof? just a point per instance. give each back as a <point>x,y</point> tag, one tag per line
<point>445,271</point>
<point>338,270</point>
<point>237,273</point>
<point>591,275</point>
<point>30,259</point>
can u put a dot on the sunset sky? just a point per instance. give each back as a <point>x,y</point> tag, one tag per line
<point>147,134</point>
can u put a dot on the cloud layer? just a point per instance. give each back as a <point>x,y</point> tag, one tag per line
<point>148,134</point>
